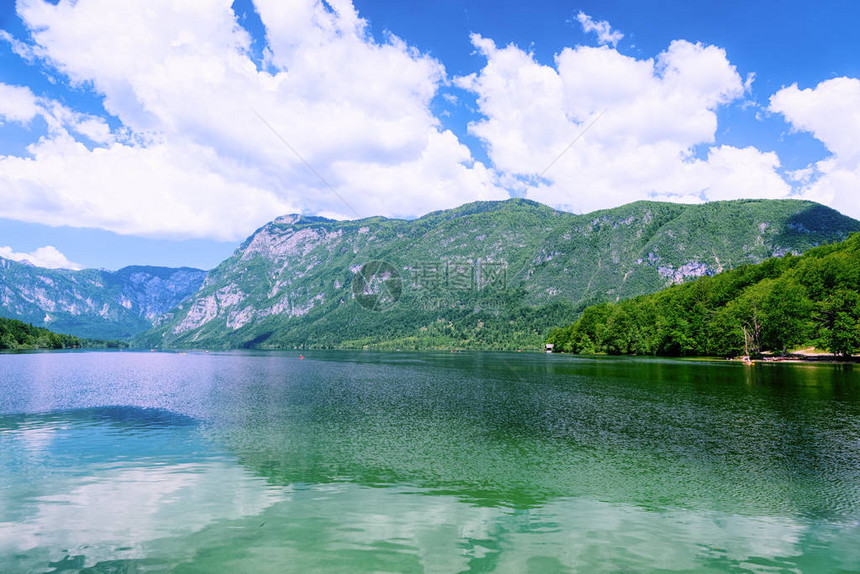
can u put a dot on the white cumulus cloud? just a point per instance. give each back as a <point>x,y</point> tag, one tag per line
<point>47,256</point>
<point>605,33</point>
<point>188,155</point>
<point>17,104</point>
<point>831,113</point>
<point>193,159</point>
<point>649,116</point>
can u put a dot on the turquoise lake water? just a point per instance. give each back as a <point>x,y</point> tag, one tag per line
<point>425,462</point>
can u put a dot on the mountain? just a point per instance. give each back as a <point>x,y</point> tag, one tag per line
<point>93,303</point>
<point>486,274</point>
<point>777,305</point>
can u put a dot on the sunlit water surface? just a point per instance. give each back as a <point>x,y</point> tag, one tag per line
<point>402,462</point>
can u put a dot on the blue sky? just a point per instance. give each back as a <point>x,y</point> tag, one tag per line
<point>130,132</point>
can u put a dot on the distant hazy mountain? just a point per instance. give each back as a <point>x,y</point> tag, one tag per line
<point>92,302</point>
<point>487,274</point>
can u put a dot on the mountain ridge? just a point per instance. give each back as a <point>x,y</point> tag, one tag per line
<point>288,284</point>
<point>94,303</point>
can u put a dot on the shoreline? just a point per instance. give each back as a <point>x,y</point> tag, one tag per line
<point>790,358</point>
<point>801,358</point>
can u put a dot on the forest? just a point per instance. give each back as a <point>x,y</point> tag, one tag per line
<point>17,335</point>
<point>779,305</point>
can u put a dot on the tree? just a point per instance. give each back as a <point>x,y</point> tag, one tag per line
<point>619,330</point>
<point>786,311</point>
<point>838,318</point>
<point>585,346</point>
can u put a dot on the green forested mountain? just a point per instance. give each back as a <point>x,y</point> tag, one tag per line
<point>484,275</point>
<point>776,305</point>
<point>93,302</point>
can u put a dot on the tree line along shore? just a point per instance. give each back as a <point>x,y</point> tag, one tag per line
<point>772,308</point>
<point>17,336</point>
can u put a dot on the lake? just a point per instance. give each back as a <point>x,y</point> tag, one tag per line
<point>425,462</point>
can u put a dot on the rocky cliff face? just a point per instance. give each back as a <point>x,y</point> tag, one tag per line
<point>487,265</point>
<point>94,303</point>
